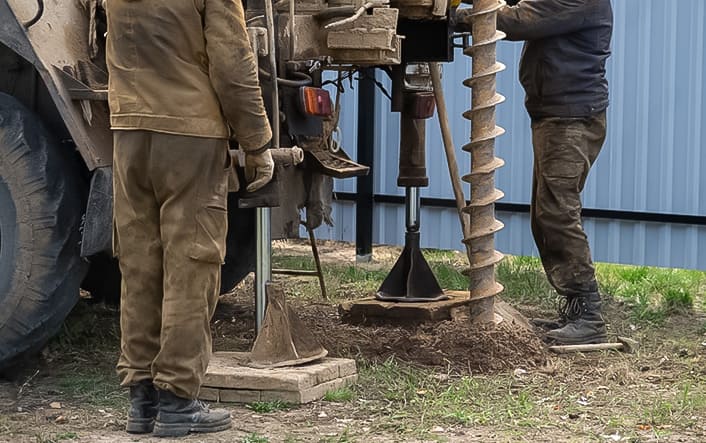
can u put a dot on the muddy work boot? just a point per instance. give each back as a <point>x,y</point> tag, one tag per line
<point>144,402</point>
<point>178,417</point>
<point>568,310</point>
<point>585,327</point>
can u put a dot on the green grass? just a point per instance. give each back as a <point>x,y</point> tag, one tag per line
<point>652,294</point>
<point>92,387</point>
<point>685,406</point>
<point>412,401</point>
<point>417,399</point>
<point>340,395</point>
<point>408,401</point>
<point>525,282</point>
<point>266,407</point>
<point>254,438</point>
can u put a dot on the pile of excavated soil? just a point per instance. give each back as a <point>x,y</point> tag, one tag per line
<point>455,345</point>
<point>458,345</point>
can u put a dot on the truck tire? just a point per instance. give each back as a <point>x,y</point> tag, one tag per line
<point>41,204</point>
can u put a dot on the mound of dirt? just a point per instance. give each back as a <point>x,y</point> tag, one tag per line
<point>450,344</point>
<point>455,345</point>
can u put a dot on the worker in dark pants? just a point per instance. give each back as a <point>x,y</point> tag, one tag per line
<point>181,73</point>
<point>567,43</point>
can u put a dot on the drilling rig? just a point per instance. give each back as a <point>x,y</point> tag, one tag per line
<point>56,145</point>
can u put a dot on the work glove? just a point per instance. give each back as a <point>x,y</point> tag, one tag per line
<point>462,20</point>
<point>259,168</point>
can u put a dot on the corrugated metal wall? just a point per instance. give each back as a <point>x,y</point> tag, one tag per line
<point>653,160</point>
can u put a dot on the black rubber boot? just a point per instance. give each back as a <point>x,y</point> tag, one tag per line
<point>144,402</point>
<point>585,328</point>
<point>179,416</point>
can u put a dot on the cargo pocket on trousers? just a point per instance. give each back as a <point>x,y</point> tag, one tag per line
<point>210,240</point>
<point>564,184</point>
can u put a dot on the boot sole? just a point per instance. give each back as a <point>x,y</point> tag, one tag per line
<point>182,429</point>
<point>592,340</point>
<point>139,426</point>
<point>547,325</point>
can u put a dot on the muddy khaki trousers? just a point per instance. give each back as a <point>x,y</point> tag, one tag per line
<point>564,151</point>
<point>170,225</point>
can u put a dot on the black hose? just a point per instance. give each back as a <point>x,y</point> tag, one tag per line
<point>335,12</point>
<point>306,79</point>
<point>37,16</point>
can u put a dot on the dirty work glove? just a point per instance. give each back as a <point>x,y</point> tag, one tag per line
<point>462,20</point>
<point>259,168</point>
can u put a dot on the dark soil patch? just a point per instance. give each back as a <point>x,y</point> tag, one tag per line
<point>455,345</point>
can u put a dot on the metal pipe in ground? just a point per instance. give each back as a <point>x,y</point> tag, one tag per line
<point>481,209</point>
<point>263,270</point>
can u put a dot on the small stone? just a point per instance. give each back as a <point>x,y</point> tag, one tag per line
<point>323,414</point>
<point>437,430</point>
<point>519,372</point>
<point>55,405</point>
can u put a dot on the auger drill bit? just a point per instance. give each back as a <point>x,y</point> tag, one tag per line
<point>484,99</point>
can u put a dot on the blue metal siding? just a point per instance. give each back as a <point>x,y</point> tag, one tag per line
<point>652,161</point>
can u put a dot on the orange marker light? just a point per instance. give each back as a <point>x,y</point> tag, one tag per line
<point>315,101</point>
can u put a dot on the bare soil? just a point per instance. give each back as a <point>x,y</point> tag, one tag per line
<point>452,345</point>
<point>656,395</point>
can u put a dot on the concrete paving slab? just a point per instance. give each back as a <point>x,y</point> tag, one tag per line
<point>227,381</point>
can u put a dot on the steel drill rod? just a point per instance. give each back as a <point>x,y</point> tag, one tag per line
<point>413,205</point>
<point>456,183</point>
<point>263,267</point>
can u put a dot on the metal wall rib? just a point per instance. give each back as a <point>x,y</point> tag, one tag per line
<point>653,160</point>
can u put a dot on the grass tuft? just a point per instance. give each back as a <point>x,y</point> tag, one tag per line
<point>266,407</point>
<point>254,438</point>
<point>340,395</point>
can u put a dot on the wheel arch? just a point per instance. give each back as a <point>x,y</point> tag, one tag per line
<point>57,108</point>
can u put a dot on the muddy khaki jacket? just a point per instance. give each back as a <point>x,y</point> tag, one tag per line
<point>563,66</point>
<point>184,67</point>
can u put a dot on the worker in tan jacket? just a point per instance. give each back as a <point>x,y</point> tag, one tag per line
<point>182,73</point>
